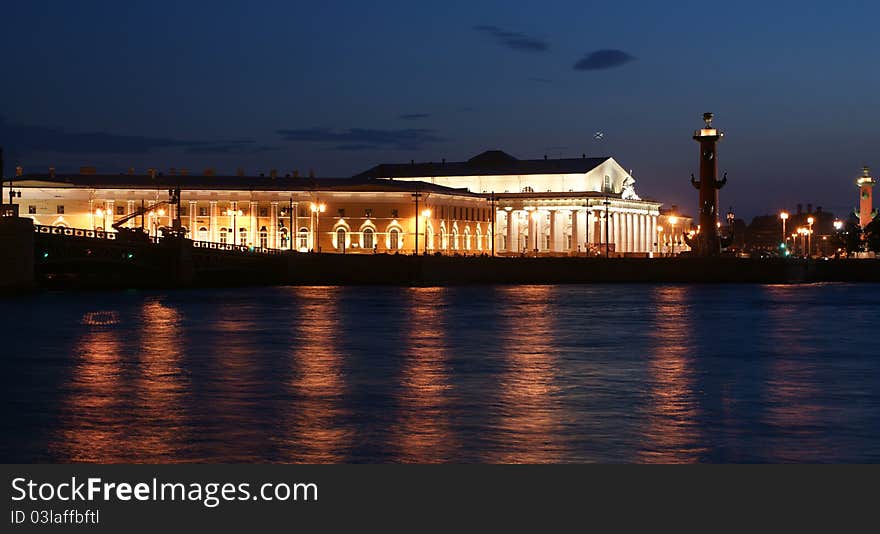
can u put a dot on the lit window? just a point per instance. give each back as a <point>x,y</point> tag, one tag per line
<point>203,212</point>
<point>32,210</point>
<point>203,234</point>
<point>264,238</point>
<point>394,236</point>
<point>340,239</point>
<point>368,238</point>
<point>303,238</point>
<point>242,235</point>
<point>606,186</point>
<point>223,236</point>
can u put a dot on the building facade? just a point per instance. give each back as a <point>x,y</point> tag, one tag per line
<point>492,203</point>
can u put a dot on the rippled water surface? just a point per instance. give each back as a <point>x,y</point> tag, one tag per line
<point>607,373</point>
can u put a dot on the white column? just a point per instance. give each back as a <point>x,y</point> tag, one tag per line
<point>533,230</point>
<point>511,243</point>
<point>193,221</point>
<point>575,231</point>
<point>653,232</point>
<point>601,228</point>
<point>273,225</point>
<point>554,239</point>
<point>254,228</point>
<point>129,209</point>
<point>213,230</point>
<point>617,226</point>
<point>91,214</point>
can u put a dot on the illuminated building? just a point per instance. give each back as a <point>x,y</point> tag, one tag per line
<point>547,207</point>
<point>866,211</point>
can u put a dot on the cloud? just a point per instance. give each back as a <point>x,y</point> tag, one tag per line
<point>29,139</point>
<point>364,138</point>
<point>514,40</point>
<point>603,59</point>
<point>414,116</point>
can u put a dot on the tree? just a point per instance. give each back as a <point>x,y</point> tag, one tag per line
<point>852,237</point>
<point>872,234</point>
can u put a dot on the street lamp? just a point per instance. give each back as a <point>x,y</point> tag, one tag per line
<point>317,209</point>
<point>810,221</point>
<point>784,217</point>
<point>229,213</point>
<point>672,222</point>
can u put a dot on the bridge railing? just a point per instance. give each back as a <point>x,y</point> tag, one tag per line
<point>210,245</point>
<point>73,232</point>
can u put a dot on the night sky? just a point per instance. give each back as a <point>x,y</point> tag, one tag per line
<point>340,86</point>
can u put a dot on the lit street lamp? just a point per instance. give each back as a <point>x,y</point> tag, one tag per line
<point>317,209</point>
<point>810,221</point>
<point>672,221</point>
<point>784,217</point>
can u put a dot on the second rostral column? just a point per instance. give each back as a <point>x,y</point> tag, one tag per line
<point>707,242</point>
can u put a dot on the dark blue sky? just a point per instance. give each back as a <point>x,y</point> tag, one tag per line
<point>340,86</point>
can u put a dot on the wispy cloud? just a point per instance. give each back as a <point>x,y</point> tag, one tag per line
<point>603,59</point>
<point>514,40</point>
<point>355,139</point>
<point>414,116</point>
<point>34,139</point>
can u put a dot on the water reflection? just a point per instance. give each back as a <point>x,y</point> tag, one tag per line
<point>529,427</point>
<point>423,434</point>
<point>317,386</point>
<point>92,421</point>
<point>793,408</point>
<point>671,432</point>
<point>160,387</point>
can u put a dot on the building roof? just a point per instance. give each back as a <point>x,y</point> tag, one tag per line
<point>491,163</point>
<point>229,183</point>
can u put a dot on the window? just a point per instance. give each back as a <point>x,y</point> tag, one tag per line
<point>455,239</point>
<point>203,212</point>
<point>394,214</point>
<point>203,234</point>
<point>394,235</point>
<point>480,240</point>
<point>183,211</point>
<point>264,212</point>
<point>59,209</point>
<point>223,236</point>
<point>368,238</point>
<point>340,239</point>
<point>284,238</point>
<point>368,213</point>
<point>242,236</point>
<point>120,210</point>
<point>341,212</point>
<point>606,185</point>
<point>32,210</point>
<point>303,239</point>
<point>264,237</point>
<point>528,189</point>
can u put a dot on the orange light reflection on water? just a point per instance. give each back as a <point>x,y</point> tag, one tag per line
<point>315,433</point>
<point>671,433</point>
<point>423,434</point>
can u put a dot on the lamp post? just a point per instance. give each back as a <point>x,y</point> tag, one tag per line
<point>492,201</point>
<point>427,215</point>
<point>784,216</point>
<point>659,239</point>
<point>230,213</point>
<point>810,221</point>
<point>672,221</point>
<point>416,196</point>
<point>317,209</point>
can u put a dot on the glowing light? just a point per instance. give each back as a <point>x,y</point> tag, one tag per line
<point>810,220</point>
<point>161,212</point>
<point>426,214</point>
<point>536,215</point>
<point>673,220</point>
<point>659,229</point>
<point>99,212</point>
<point>838,224</point>
<point>783,216</point>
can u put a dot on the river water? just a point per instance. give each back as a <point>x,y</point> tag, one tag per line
<point>489,374</point>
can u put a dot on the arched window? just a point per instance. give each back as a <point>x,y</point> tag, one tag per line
<point>454,238</point>
<point>528,189</point>
<point>284,238</point>
<point>444,237</point>
<point>394,237</point>
<point>264,237</point>
<point>467,238</point>
<point>242,236</point>
<point>479,239</point>
<point>203,234</point>
<point>223,236</point>
<point>368,239</point>
<point>303,239</point>
<point>340,239</point>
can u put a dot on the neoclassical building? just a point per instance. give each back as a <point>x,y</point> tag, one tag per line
<point>492,203</point>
